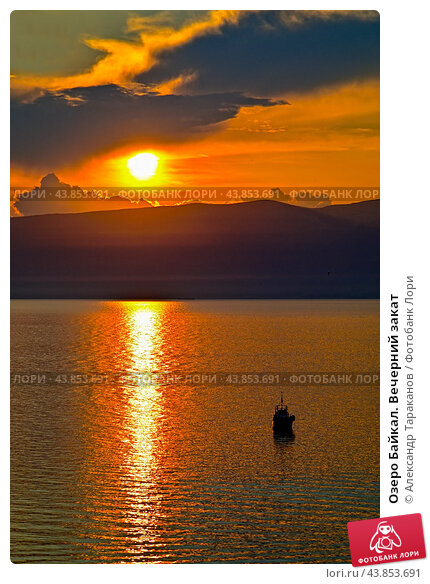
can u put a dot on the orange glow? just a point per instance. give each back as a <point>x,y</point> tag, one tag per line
<point>122,60</point>
<point>143,165</point>
<point>324,138</point>
<point>131,451</point>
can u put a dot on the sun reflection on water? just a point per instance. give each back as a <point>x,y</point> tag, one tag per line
<point>144,334</point>
<point>144,398</point>
<point>121,471</point>
<point>126,454</point>
<point>142,417</point>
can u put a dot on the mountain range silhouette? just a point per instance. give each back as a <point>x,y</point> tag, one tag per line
<point>259,249</point>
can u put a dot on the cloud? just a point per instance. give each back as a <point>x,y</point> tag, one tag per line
<point>42,200</point>
<point>51,132</point>
<point>175,85</point>
<point>292,18</point>
<point>124,59</point>
<point>260,52</point>
<point>272,54</point>
<point>173,78</point>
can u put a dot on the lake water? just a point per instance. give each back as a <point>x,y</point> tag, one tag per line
<point>120,468</point>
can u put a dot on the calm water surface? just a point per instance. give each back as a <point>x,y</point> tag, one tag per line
<point>121,471</point>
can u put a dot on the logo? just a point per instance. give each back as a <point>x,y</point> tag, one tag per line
<point>386,539</point>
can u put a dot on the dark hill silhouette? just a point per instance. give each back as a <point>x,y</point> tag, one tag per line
<point>366,214</point>
<point>261,249</point>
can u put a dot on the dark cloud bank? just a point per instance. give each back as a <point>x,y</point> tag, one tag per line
<point>51,130</point>
<point>246,65</point>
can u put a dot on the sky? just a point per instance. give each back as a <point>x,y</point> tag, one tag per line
<point>231,98</point>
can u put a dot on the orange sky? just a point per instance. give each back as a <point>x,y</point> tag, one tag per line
<point>325,138</point>
<point>328,135</point>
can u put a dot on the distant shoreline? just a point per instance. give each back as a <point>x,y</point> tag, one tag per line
<point>255,250</point>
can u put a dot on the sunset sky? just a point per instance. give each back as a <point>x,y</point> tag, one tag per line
<point>220,98</point>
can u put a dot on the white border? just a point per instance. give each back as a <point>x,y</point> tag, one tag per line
<point>404,227</point>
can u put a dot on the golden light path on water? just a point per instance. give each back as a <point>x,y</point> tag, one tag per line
<point>131,470</point>
<point>142,415</point>
<point>126,450</point>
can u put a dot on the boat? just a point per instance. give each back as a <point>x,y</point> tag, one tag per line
<point>282,419</point>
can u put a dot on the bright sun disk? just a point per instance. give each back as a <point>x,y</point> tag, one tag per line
<point>143,165</point>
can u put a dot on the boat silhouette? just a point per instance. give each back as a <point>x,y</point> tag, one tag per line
<point>282,419</point>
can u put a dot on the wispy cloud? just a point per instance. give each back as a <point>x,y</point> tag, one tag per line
<point>124,59</point>
<point>300,17</point>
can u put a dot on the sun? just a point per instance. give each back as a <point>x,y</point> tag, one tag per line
<point>143,165</point>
